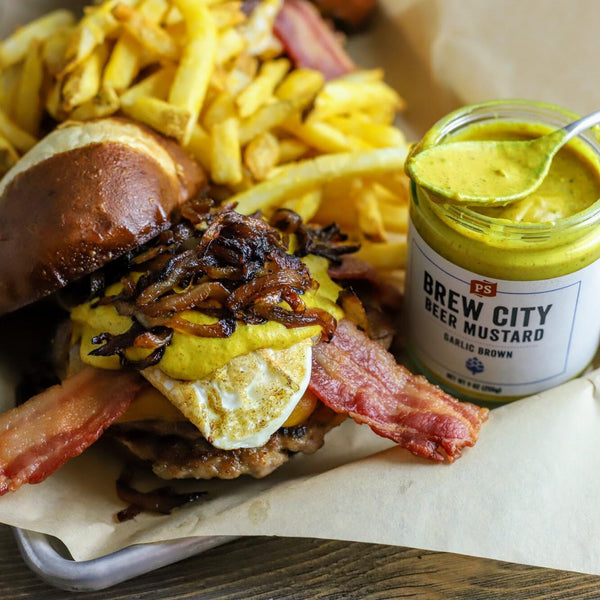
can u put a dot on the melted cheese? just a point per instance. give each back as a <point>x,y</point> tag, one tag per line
<point>150,404</point>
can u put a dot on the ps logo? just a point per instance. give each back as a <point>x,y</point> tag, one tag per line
<point>483,288</point>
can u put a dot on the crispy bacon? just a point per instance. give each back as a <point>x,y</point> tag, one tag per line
<point>351,267</point>
<point>354,375</point>
<point>309,41</point>
<point>38,437</point>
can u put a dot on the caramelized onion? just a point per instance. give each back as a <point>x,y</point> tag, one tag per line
<point>176,270</point>
<point>311,316</point>
<point>251,292</point>
<point>222,329</point>
<point>233,267</point>
<point>137,336</point>
<point>190,298</point>
<point>324,241</point>
<point>162,500</point>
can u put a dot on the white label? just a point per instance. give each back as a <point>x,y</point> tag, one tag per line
<point>495,337</point>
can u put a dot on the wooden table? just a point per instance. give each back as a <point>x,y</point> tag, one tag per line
<point>276,568</point>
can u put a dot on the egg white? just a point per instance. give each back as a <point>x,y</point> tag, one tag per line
<point>241,404</point>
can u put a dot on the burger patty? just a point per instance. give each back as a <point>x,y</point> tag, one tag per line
<point>179,451</point>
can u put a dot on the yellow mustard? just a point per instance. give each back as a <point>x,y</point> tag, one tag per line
<point>190,357</point>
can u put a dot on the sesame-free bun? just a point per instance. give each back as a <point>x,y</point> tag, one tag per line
<point>85,194</point>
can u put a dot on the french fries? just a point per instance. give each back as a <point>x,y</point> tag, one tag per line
<point>197,62</point>
<point>17,137</point>
<point>226,160</point>
<point>307,175</point>
<point>123,65</point>
<point>8,156</point>
<point>217,80</point>
<point>27,108</point>
<point>83,83</point>
<point>259,91</point>
<point>262,155</point>
<point>14,49</point>
<point>153,38</point>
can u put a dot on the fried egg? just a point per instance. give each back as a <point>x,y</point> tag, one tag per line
<point>241,404</point>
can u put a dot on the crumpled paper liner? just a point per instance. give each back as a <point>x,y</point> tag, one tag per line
<point>527,492</point>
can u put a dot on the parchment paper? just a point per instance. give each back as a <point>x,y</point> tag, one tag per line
<point>528,491</point>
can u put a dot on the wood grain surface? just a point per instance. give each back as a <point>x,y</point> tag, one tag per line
<point>275,568</point>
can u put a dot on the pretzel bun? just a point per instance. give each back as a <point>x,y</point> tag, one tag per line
<point>85,194</point>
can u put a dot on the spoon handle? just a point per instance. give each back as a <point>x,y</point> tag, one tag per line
<point>582,124</point>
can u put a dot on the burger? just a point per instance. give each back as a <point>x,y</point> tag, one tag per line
<point>207,343</point>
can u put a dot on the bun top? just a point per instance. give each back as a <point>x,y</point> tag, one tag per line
<point>87,193</point>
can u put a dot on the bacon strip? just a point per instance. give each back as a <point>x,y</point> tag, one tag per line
<point>354,375</point>
<point>38,437</point>
<point>309,41</point>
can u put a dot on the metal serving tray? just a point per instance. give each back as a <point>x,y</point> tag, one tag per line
<point>48,558</point>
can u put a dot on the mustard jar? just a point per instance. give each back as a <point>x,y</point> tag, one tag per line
<point>504,301</point>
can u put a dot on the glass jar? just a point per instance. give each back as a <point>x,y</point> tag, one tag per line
<point>498,309</point>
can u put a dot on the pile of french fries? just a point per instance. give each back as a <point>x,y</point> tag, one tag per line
<point>218,81</point>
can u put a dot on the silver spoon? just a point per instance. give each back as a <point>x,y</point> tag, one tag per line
<point>491,172</point>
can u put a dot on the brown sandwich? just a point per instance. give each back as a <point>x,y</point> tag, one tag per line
<point>218,344</point>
